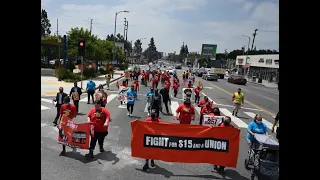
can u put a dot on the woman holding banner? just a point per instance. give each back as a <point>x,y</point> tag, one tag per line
<point>206,110</point>
<point>152,119</point>
<point>225,124</point>
<point>99,117</point>
<point>185,112</point>
<point>70,111</point>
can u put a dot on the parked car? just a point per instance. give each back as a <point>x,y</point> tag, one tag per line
<point>210,76</point>
<point>194,70</point>
<point>178,66</point>
<point>237,79</point>
<point>200,72</point>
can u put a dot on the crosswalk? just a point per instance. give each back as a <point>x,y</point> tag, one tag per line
<point>226,110</point>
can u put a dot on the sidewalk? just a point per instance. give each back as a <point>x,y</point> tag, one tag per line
<point>50,85</point>
<point>264,83</point>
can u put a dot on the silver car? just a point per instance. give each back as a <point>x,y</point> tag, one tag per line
<point>210,76</point>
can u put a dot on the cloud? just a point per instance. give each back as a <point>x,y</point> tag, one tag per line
<point>159,19</point>
<point>248,6</point>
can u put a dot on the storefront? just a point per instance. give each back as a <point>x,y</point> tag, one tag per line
<point>261,66</point>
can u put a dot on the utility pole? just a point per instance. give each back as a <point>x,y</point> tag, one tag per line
<point>125,27</point>
<point>91,25</point>
<point>254,36</point>
<point>58,41</point>
<point>127,31</point>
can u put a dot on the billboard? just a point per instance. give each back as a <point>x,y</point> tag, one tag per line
<point>209,51</point>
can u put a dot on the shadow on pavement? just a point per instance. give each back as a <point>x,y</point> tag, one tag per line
<point>107,156</point>
<point>135,117</point>
<point>157,170</point>
<point>81,114</point>
<point>230,173</point>
<point>200,176</point>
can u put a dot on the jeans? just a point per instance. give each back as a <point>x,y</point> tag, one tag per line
<point>98,136</point>
<point>90,93</point>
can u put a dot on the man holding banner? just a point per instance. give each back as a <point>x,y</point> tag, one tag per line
<point>99,117</point>
<point>185,112</point>
<point>153,119</point>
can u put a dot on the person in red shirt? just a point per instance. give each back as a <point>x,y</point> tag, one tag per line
<point>155,81</point>
<point>163,79</point>
<point>189,85</point>
<point>206,110</point>
<point>175,89</point>
<point>152,119</point>
<point>203,102</point>
<point>197,91</point>
<point>143,77</point>
<point>99,117</point>
<point>224,124</point>
<point>135,84</point>
<point>185,112</point>
<point>215,112</point>
<point>102,95</point>
<point>69,110</point>
<point>168,76</point>
<point>167,84</point>
<point>159,74</point>
<point>124,83</point>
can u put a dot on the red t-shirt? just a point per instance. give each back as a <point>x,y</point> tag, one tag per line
<point>176,87</point>
<point>202,102</point>
<point>98,118</point>
<point>70,110</point>
<point>168,84</point>
<point>186,113</point>
<point>136,85</point>
<point>149,119</point>
<point>197,91</point>
<point>206,110</point>
<point>189,86</point>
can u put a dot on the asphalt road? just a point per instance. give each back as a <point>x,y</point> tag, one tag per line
<point>116,162</point>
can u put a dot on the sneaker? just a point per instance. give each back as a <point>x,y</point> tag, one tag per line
<point>101,149</point>
<point>128,113</point>
<point>152,163</point>
<point>90,154</point>
<point>145,167</point>
<point>148,114</point>
<point>88,102</point>
<point>63,153</point>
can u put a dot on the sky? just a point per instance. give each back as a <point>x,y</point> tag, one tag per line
<point>174,22</point>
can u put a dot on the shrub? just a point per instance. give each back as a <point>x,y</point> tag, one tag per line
<point>103,71</point>
<point>63,73</point>
<point>89,72</point>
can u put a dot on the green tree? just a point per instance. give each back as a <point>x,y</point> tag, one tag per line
<point>45,23</point>
<point>120,38</point>
<point>137,47</point>
<point>151,52</point>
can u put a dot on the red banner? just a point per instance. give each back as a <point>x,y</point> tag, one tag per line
<point>73,134</point>
<point>185,143</point>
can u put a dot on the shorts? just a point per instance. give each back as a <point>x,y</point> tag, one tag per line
<point>237,106</point>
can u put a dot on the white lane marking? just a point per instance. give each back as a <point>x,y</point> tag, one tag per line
<point>111,97</point>
<point>146,108</point>
<point>198,109</point>
<point>252,115</point>
<point>43,124</point>
<point>44,108</point>
<point>269,98</point>
<point>234,119</point>
<point>84,99</point>
<point>174,106</point>
<point>123,106</point>
<point>46,100</point>
<point>266,90</point>
<point>209,98</point>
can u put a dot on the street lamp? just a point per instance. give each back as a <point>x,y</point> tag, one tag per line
<point>114,34</point>
<point>247,53</point>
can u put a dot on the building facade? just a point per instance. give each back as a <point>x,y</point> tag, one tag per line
<point>261,66</point>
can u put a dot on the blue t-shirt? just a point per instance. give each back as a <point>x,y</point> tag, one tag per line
<point>257,129</point>
<point>149,94</point>
<point>91,85</point>
<point>130,96</point>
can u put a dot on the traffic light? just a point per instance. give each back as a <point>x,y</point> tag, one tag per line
<point>81,47</point>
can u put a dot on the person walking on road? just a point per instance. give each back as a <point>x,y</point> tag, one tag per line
<point>238,101</point>
<point>224,124</point>
<point>131,97</point>
<point>108,79</point>
<point>152,119</point>
<point>75,93</point>
<point>101,95</point>
<point>165,98</point>
<point>149,95</point>
<point>197,91</point>
<point>100,117</point>
<point>91,86</point>
<point>276,123</point>
<point>70,111</point>
<point>59,99</point>
<point>185,112</point>
<point>156,103</point>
